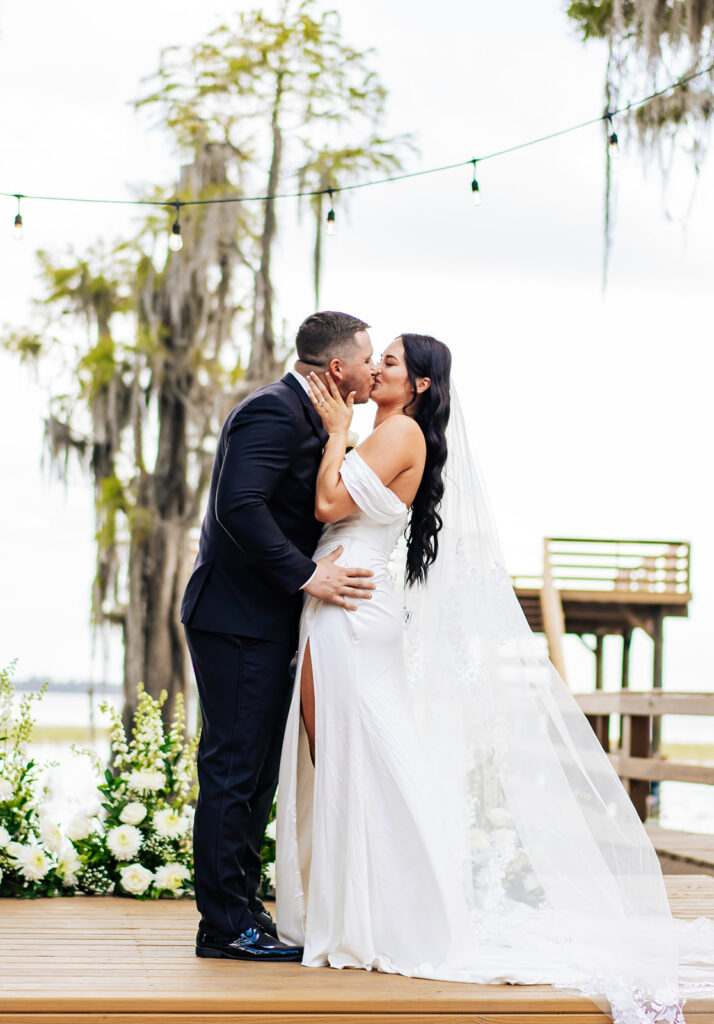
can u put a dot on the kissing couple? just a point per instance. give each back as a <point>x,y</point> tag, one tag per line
<point>444,809</point>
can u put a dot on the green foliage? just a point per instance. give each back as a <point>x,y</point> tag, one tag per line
<point>29,849</point>
<point>27,346</point>
<point>593,18</point>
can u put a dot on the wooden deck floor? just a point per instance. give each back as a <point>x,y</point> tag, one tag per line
<point>118,961</point>
<point>683,852</point>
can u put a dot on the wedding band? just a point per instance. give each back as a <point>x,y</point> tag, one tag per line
<point>321,401</point>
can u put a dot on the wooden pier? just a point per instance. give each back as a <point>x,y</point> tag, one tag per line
<point>119,961</point>
<point>605,587</point>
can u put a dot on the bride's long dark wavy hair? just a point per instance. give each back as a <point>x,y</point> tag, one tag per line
<point>427,357</point>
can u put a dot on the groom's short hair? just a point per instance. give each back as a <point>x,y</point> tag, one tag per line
<point>323,336</point>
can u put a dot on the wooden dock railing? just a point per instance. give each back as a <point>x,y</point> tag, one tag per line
<point>635,761</point>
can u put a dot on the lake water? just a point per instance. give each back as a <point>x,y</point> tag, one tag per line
<point>682,805</point>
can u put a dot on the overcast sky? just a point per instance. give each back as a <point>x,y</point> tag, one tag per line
<point>590,414</point>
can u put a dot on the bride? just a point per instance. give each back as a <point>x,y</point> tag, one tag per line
<point>444,809</point>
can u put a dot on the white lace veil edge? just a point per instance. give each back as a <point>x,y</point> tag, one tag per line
<point>557,869</point>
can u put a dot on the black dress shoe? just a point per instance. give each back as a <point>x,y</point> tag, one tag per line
<point>265,921</point>
<point>253,944</point>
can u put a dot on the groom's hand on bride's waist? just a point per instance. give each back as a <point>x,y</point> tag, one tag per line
<point>338,585</point>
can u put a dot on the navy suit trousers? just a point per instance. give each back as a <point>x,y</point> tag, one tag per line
<point>244,685</point>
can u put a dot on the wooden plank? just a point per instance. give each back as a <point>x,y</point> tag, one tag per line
<point>690,847</point>
<point>644,702</point>
<point>623,542</point>
<point>656,770</point>
<point>596,1017</point>
<point>665,598</point>
<point>118,961</point>
<point>553,620</point>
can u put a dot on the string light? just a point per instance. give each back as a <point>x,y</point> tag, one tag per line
<point>176,242</point>
<point>612,140</point>
<point>175,239</point>
<point>475,190</point>
<point>17,231</point>
<point>330,216</point>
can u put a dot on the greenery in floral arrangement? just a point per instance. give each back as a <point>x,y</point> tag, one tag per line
<point>35,859</point>
<point>142,844</point>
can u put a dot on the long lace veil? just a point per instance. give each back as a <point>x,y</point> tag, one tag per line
<point>562,882</point>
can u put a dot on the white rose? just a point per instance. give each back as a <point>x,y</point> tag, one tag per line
<point>171,876</point>
<point>133,813</point>
<point>14,849</point>
<point>136,879</point>
<point>33,863</point>
<point>352,439</point>
<point>530,882</point>
<point>124,841</point>
<point>4,837</point>
<point>270,873</point>
<point>68,865</point>
<point>498,817</point>
<point>479,840</point>
<point>146,782</point>
<point>169,824</point>
<point>79,827</point>
<point>51,835</point>
<point>7,790</point>
<point>271,829</point>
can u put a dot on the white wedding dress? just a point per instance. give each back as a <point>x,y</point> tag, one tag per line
<point>461,821</point>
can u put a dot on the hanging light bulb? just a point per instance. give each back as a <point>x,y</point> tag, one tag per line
<point>475,191</point>
<point>175,239</point>
<point>612,140</point>
<point>330,217</point>
<point>17,231</point>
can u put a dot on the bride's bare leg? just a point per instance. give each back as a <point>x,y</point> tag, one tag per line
<point>307,698</point>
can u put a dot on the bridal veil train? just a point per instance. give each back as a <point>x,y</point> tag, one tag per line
<point>461,821</point>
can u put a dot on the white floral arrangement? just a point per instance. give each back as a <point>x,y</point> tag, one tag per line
<point>35,858</point>
<point>138,844</point>
<point>141,845</point>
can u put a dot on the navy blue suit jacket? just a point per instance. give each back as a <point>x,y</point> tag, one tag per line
<point>259,529</point>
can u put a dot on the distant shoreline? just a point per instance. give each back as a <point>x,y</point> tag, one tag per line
<point>70,686</point>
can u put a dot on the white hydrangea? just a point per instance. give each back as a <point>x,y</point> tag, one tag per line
<point>79,827</point>
<point>171,876</point>
<point>147,781</point>
<point>169,824</point>
<point>33,863</point>
<point>124,841</point>
<point>136,879</point>
<point>270,873</point>
<point>4,837</point>
<point>51,835</point>
<point>271,829</point>
<point>68,865</point>
<point>133,813</point>
<point>7,790</point>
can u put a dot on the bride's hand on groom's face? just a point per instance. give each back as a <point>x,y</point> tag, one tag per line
<point>335,413</point>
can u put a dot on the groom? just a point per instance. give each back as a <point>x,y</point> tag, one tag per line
<point>241,612</point>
